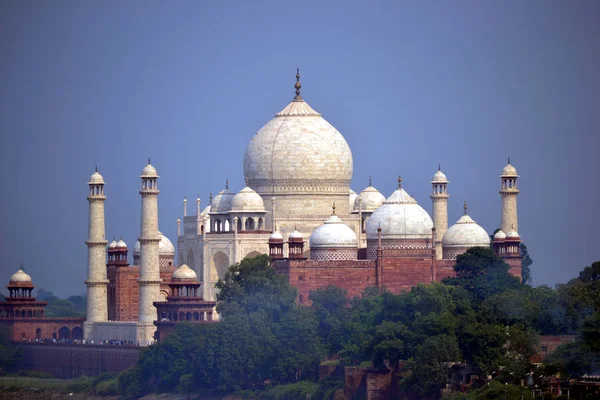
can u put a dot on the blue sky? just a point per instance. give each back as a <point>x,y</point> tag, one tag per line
<point>188,83</point>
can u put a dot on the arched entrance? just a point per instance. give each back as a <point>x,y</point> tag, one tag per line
<point>64,333</point>
<point>77,333</point>
<point>220,265</point>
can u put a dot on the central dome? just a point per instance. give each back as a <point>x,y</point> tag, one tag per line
<point>297,148</point>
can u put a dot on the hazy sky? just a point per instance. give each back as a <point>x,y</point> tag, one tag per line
<point>188,83</point>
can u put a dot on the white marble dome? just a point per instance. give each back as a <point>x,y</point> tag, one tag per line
<point>121,244</point>
<point>509,171</point>
<point>333,233</point>
<point>96,178</point>
<point>247,200</point>
<point>221,203</point>
<point>512,234</point>
<point>500,235</point>
<point>400,217</point>
<point>112,244</point>
<point>465,233</point>
<point>276,236</point>
<point>20,276</point>
<point>165,246</point>
<point>184,272</point>
<point>149,172</point>
<point>298,147</point>
<point>295,235</point>
<point>371,199</point>
<point>352,198</point>
<point>439,177</point>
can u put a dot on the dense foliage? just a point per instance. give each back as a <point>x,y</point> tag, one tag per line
<point>483,316</point>
<point>73,306</point>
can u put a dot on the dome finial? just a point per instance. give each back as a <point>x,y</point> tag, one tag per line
<point>226,183</point>
<point>298,86</point>
<point>465,207</point>
<point>333,208</point>
<point>96,167</point>
<point>246,178</point>
<point>210,196</point>
<point>148,160</point>
<point>370,181</point>
<point>21,267</point>
<point>508,159</point>
<point>439,167</point>
<point>399,181</point>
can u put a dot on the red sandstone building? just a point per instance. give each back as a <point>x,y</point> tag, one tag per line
<point>184,304</point>
<point>22,315</point>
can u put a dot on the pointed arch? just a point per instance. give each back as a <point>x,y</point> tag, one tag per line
<point>219,265</point>
<point>190,259</point>
<point>253,254</point>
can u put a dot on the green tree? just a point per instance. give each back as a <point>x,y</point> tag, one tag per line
<point>482,273</point>
<point>330,308</point>
<point>432,364</point>
<point>253,285</point>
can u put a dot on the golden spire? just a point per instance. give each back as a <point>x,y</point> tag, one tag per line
<point>298,85</point>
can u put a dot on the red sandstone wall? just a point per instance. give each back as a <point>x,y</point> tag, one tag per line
<point>306,276</point>
<point>25,328</point>
<point>128,291</point>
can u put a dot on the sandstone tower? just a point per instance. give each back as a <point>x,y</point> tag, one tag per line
<point>97,307</point>
<point>509,192</point>
<point>439,196</point>
<point>149,261</point>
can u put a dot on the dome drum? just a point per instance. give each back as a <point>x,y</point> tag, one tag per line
<point>333,254</point>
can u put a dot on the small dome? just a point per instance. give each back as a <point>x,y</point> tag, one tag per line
<point>512,234</point>
<point>333,233</point>
<point>352,198</point>
<point>149,171</point>
<point>509,171</point>
<point>96,179</point>
<point>465,233</point>
<point>184,272</point>
<point>121,244</point>
<point>247,200</point>
<point>222,202</point>
<point>20,277</point>
<point>112,244</point>
<point>206,210</point>
<point>439,177</point>
<point>165,247</point>
<point>400,217</point>
<point>371,200</point>
<point>500,235</point>
<point>295,235</point>
<point>276,236</point>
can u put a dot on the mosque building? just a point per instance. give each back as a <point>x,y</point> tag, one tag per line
<point>298,207</point>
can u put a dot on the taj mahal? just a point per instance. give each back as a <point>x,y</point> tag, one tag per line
<point>298,207</point>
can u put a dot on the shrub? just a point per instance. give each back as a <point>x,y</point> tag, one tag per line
<point>108,388</point>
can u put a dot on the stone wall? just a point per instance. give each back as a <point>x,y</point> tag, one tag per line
<point>111,330</point>
<point>66,361</point>
<point>49,328</point>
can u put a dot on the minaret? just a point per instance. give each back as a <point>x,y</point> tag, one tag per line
<point>439,197</point>
<point>97,304</point>
<point>509,192</point>
<point>149,264</point>
<point>198,220</point>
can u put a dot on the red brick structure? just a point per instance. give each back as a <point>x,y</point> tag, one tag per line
<point>22,316</point>
<point>184,304</point>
